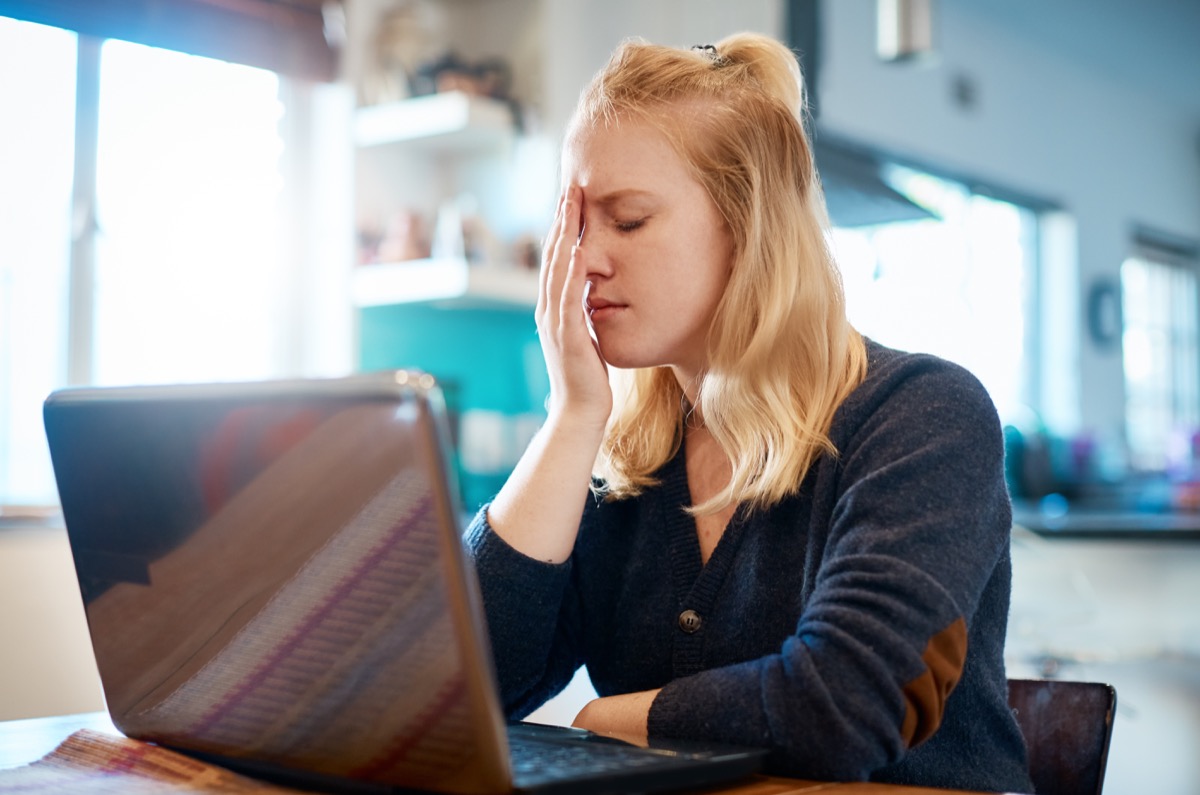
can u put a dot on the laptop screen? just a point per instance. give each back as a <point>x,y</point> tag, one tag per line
<point>274,573</point>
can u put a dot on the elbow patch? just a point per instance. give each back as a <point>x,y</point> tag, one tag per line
<point>925,697</point>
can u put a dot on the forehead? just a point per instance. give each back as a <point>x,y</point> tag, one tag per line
<point>625,154</point>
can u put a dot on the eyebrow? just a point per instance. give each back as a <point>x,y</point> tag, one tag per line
<point>615,196</point>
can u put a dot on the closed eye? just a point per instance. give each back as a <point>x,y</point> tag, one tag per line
<point>629,226</point>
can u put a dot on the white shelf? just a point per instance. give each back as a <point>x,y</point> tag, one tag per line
<point>442,279</point>
<point>452,120</point>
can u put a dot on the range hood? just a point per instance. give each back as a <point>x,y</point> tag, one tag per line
<point>856,194</point>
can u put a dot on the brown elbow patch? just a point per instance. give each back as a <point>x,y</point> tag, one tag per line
<point>925,697</point>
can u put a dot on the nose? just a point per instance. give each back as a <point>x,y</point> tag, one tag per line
<point>597,251</point>
<point>597,262</point>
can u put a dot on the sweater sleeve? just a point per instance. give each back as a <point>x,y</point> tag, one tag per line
<point>532,616</point>
<point>918,517</point>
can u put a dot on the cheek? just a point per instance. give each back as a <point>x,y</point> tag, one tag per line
<point>706,229</point>
<point>712,257</point>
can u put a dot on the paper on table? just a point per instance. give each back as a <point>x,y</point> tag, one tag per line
<point>96,763</point>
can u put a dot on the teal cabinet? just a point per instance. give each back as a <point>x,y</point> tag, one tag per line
<point>490,365</point>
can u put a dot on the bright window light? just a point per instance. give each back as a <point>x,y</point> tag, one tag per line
<point>189,283</point>
<point>1161,357</point>
<point>955,286</point>
<point>37,103</point>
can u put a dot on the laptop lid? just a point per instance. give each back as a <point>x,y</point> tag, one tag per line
<point>273,573</point>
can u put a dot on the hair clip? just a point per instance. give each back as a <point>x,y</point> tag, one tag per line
<point>711,52</point>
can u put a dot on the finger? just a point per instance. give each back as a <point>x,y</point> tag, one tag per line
<point>571,303</point>
<point>551,253</point>
<point>599,353</point>
<point>559,261</point>
<point>548,245</point>
<point>573,218</point>
<point>582,219</point>
<point>571,308</point>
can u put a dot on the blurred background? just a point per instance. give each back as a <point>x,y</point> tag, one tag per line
<point>204,190</point>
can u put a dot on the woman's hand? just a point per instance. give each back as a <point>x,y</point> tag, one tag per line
<point>579,386</point>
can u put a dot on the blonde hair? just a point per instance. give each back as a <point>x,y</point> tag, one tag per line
<point>781,354</point>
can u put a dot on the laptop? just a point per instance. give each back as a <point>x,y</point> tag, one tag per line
<point>274,579</point>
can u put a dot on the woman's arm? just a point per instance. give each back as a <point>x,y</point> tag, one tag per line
<point>621,716</point>
<point>532,619</point>
<point>917,523</point>
<point>537,511</point>
<point>522,541</point>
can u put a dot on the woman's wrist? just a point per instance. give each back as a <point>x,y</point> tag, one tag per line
<point>538,510</point>
<point>625,716</point>
<point>584,426</point>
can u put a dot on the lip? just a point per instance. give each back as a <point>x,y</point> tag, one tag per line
<point>599,308</point>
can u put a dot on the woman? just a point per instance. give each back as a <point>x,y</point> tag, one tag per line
<point>766,530</point>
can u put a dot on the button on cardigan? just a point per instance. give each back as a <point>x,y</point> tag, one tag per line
<point>856,629</point>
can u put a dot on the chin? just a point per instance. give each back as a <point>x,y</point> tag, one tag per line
<point>623,358</point>
<point>636,354</point>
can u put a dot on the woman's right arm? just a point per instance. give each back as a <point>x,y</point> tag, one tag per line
<point>537,512</point>
<point>522,542</point>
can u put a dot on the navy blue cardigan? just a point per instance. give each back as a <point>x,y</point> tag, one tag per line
<point>856,629</point>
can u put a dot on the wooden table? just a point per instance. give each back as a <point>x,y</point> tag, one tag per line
<point>25,741</point>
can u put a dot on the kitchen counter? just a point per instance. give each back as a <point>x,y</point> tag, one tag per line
<point>1102,523</point>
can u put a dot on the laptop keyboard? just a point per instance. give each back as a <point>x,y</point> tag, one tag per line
<point>554,760</point>
<point>543,754</point>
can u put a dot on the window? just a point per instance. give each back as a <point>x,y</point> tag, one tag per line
<point>188,274</point>
<point>959,285</point>
<point>183,275</point>
<point>1159,296</point>
<point>37,91</point>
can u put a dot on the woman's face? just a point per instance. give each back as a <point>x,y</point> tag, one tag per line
<point>657,252</point>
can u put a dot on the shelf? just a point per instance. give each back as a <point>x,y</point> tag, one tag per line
<point>453,121</point>
<point>441,279</point>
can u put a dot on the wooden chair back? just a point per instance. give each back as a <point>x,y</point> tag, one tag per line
<point>1068,730</point>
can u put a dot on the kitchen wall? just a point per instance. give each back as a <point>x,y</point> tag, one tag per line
<point>1111,154</point>
<point>46,662</point>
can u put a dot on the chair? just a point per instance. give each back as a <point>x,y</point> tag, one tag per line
<point>1068,729</point>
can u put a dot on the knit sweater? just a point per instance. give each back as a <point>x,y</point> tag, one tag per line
<point>856,629</point>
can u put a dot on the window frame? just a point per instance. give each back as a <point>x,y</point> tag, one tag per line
<point>1157,251</point>
<point>292,37</point>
